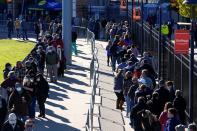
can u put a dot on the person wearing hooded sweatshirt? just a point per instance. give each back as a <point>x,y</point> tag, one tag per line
<point>42,90</point>
<point>12,124</point>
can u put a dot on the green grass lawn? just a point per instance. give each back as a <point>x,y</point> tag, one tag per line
<point>12,51</point>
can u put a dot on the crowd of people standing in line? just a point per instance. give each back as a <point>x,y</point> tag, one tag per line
<point>150,106</point>
<point>26,83</point>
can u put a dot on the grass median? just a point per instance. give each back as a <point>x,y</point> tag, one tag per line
<point>12,51</point>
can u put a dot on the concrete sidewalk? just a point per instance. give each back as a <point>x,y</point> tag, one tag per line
<point>68,101</point>
<point>109,117</point>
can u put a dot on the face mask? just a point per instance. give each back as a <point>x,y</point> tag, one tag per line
<point>18,89</point>
<point>38,79</point>
<point>31,79</point>
<point>12,119</point>
<point>9,68</point>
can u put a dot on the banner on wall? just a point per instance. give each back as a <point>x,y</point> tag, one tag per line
<point>182,41</point>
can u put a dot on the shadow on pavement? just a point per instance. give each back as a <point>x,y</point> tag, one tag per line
<point>69,87</point>
<point>56,105</point>
<point>70,80</point>
<point>50,125</point>
<point>75,73</point>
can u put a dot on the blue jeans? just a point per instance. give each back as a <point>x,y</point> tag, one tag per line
<point>32,106</point>
<point>74,48</point>
<point>129,103</point>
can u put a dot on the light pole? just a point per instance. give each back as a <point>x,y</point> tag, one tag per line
<point>67,28</point>
<point>142,23</point>
<point>191,65</point>
<point>159,43</point>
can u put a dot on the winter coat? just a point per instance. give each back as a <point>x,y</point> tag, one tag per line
<point>179,104</point>
<point>42,89</point>
<point>171,124</point>
<point>132,91</point>
<point>114,50</point>
<point>5,73</point>
<point>17,104</point>
<point>51,58</point>
<point>18,127</point>
<point>135,115</point>
<point>163,119</point>
<point>164,96</point>
<point>118,82</point>
<point>154,106</point>
<point>127,85</point>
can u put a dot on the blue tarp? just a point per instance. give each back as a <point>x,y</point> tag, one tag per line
<point>153,8</point>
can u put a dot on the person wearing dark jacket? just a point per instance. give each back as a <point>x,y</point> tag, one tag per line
<point>10,28</point>
<point>42,89</point>
<point>18,102</point>
<point>12,124</point>
<point>37,30</point>
<point>180,105</point>
<point>9,84</point>
<point>164,95</point>
<point>51,64</point>
<point>118,89</point>
<point>135,115</point>
<point>170,87</point>
<point>154,104</point>
<point>114,52</point>
<point>3,111</point>
<point>8,68</point>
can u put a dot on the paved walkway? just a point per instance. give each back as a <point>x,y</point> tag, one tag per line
<point>68,100</point>
<point>110,118</point>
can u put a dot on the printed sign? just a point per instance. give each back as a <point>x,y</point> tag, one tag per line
<point>182,41</point>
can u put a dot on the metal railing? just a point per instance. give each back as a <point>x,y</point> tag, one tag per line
<point>94,67</point>
<point>84,32</point>
<point>172,67</point>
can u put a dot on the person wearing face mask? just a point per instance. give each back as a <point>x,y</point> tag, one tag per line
<point>8,68</point>
<point>3,111</point>
<point>19,71</point>
<point>30,86</point>
<point>52,59</point>
<point>18,102</point>
<point>12,124</point>
<point>29,125</point>
<point>42,89</point>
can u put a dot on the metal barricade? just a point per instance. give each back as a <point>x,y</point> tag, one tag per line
<point>89,36</point>
<point>172,67</point>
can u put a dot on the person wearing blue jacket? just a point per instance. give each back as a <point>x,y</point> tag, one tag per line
<point>172,121</point>
<point>118,89</point>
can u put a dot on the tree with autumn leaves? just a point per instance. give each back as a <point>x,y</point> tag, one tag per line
<point>183,9</point>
